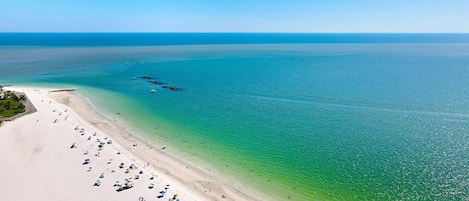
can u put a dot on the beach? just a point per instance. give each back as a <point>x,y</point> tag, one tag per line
<point>68,151</point>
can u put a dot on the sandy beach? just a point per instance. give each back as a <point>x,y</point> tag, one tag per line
<point>68,151</point>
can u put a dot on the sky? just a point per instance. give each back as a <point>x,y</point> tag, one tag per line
<point>326,16</point>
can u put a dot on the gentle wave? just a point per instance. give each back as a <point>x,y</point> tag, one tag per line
<point>361,107</point>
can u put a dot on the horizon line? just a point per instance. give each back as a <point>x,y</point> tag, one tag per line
<point>163,32</point>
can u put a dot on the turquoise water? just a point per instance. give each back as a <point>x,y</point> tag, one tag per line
<point>359,120</point>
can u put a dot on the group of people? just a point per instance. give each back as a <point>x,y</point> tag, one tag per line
<point>128,184</point>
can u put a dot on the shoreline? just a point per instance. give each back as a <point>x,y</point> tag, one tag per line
<point>202,184</point>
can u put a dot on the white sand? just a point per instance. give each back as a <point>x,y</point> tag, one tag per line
<point>38,164</point>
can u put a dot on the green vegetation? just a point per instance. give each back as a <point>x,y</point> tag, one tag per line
<point>10,104</point>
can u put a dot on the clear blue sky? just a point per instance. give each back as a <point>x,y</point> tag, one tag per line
<point>234,16</point>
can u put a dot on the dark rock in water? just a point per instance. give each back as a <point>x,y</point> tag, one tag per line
<point>62,90</point>
<point>146,77</point>
<point>172,88</point>
<point>156,82</point>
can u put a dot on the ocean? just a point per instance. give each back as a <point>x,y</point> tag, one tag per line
<point>305,116</point>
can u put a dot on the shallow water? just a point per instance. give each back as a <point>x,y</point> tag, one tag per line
<point>354,121</point>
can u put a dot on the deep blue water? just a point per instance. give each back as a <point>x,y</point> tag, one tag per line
<point>326,116</point>
<point>149,39</point>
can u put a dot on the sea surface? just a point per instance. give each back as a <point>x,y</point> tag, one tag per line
<point>301,116</point>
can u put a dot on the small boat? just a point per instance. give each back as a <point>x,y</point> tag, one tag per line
<point>152,91</point>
